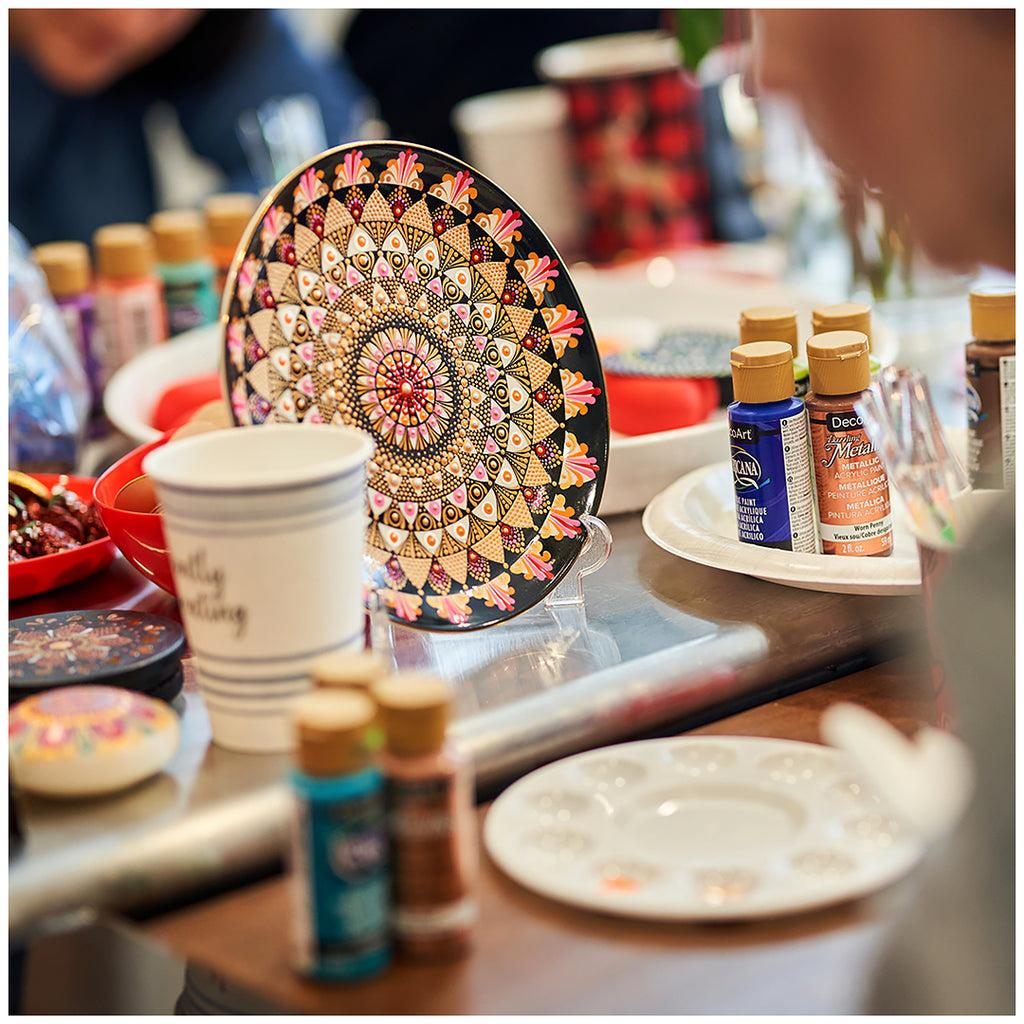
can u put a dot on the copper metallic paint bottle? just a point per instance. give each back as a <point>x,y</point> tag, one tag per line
<point>852,487</point>
<point>429,788</point>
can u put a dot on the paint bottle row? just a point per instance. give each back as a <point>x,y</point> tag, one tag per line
<point>805,474</point>
<point>383,832</point>
<point>150,282</point>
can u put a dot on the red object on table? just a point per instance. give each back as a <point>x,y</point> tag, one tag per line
<point>38,575</point>
<point>178,403</point>
<point>648,405</point>
<point>138,534</point>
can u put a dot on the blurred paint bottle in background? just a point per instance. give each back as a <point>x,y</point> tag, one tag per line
<point>130,315</point>
<point>227,216</point>
<point>991,389</point>
<point>69,277</point>
<point>185,268</point>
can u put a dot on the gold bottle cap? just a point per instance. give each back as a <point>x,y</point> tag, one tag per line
<point>842,316</point>
<point>769,323</point>
<point>124,250</point>
<point>179,235</point>
<point>340,670</point>
<point>330,731</point>
<point>228,215</point>
<point>838,362</point>
<point>994,313</point>
<point>414,710</point>
<point>66,266</point>
<point>762,371</point>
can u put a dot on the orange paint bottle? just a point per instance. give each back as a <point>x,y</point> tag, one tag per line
<point>854,515</point>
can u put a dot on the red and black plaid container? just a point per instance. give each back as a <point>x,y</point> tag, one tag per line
<point>638,142</point>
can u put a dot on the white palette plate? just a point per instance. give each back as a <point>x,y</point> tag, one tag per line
<point>695,518</point>
<point>699,828</point>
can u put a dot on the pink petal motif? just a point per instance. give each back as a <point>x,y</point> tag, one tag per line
<point>236,343</point>
<point>560,522</point>
<point>54,735</point>
<point>404,170</point>
<point>577,392</point>
<point>353,170</point>
<point>539,273</point>
<point>497,593</point>
<point>239,403</point>
<point>275,221</point>
<point>310,187</point>
<point>453,607</point>
<point>456,190</point>
<point>577,465</point>
<point>564,326</point>
<point>110,730</point>
<point>501,226</point>
<point>405,606</point>
<point>247,274</point>
<point>534,563</point>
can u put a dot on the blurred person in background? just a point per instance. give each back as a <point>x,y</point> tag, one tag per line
<point>920,105</point>
<point>84,85</point>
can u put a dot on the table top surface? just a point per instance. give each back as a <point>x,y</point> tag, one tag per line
<point>532,955</point>
<point>660,643</point>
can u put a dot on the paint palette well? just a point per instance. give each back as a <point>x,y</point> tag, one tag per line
<point>394,289</point>
<point>722,827</point>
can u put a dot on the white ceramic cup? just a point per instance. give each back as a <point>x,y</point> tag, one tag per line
<point>519,138</point>
<point>266,529</point>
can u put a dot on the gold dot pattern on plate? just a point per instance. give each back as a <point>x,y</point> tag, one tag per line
<point>613,774</point>
<point>397,291</point>
<point>560,845</point>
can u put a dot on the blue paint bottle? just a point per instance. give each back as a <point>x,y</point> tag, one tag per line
<point>769,450</point>
<point>340,874</point>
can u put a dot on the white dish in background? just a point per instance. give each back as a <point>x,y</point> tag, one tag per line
<point>699,828</point>
<point>133,391</point>
<point>695,519</point>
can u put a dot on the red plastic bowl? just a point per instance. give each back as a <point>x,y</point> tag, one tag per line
<point>47,572</point>
<point>138,535</point>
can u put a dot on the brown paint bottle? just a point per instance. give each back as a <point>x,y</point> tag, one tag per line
<point>991,389</point>
<point>854,516</point>
<point>429,789</point>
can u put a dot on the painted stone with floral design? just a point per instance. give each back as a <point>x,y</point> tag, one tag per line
<point>88,740</point>
<point>393,289</point>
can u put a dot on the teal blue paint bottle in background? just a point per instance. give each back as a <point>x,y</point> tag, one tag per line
<point>339,841</point>
<point>186,270</point>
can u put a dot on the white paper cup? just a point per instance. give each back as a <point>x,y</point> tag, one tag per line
<point>266,530</point>
<point>519,138</point>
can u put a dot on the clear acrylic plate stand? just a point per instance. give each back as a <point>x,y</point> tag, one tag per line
<point>537,649</point>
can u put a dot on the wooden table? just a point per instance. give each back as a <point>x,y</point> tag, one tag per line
<point>536,956</point>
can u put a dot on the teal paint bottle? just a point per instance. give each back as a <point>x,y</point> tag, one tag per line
<point>186,270</point>
<point>339,841</point>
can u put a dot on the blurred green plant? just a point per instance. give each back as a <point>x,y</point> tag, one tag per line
<point>698,30</point>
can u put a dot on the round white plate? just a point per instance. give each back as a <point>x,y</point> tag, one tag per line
<point>133,391</point>
<point>695,518</point>
<point>699,828</point>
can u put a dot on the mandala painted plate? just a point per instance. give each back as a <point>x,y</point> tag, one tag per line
<point>394,289</point>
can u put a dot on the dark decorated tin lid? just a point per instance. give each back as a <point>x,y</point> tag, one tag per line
<point>133,650</point>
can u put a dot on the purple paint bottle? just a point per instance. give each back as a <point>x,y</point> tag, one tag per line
<point>69,277</point>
